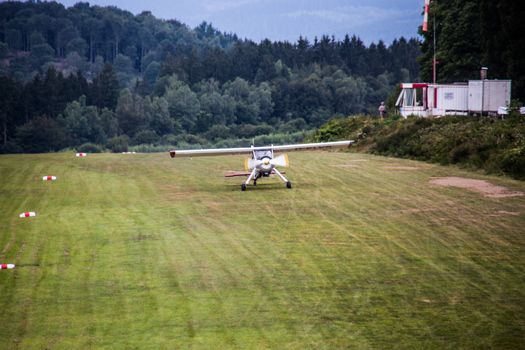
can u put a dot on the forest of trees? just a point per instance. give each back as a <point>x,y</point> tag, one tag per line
<point>477,33</point>
<point>103,75</point>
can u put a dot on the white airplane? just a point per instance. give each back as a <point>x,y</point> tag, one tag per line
<point>262,162</point>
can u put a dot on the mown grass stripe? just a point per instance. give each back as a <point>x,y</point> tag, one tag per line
<point>150,252</point>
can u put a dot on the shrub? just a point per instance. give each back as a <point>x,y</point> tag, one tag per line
<point>41,134</point>
<point>217,132</point>
<point>250,130</point>
<point>498,146</point>
<point>145,148</point>
<point>168,139</point>
<point>191,139</point>
<point>513,162</point>
<point>90,148</point>
<point>294,125</point>
<point>118,144</point>
<point>145,137</point>
<point>10,147</point>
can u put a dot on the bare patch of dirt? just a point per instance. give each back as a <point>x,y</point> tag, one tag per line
<point>480,186</point>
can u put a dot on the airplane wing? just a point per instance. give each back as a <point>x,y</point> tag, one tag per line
<point>244,150</point>
<point>309,146</point>
<point>243,173</point>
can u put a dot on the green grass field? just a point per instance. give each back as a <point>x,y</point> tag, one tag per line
<point>147,252</point>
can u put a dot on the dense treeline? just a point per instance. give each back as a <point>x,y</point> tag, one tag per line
<point>76,111</point>
<point>497,146</point>
<point>83,36</point>
<point>102,75</point>
<point>44,100</point>
<point>475,33</point>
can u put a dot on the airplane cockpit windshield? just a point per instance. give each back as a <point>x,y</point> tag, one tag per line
<point>262,154</point>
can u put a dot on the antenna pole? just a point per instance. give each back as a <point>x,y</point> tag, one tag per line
<point>434,73</point>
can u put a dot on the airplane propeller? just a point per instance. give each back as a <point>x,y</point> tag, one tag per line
<point>281,160</point>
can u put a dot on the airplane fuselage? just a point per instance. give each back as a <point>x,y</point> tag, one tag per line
<point>262,163</point>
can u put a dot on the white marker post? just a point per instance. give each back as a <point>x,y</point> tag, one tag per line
<point>27,214</point>
<point>49,178</point>
<point>7,266</point>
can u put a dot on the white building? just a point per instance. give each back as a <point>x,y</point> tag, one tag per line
<point>475,97</point>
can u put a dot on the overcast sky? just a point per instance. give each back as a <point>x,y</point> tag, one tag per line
<point>371,20</point>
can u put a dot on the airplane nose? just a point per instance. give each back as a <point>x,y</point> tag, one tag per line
<point>266,161</point>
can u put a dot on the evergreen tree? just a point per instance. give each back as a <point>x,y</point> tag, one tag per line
<point>9,95</point>
<point>471,34</point>
<point>105,89</point>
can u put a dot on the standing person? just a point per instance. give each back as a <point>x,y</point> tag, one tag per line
<point>382,110</point>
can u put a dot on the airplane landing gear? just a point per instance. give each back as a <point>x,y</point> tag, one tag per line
<point>253,175</point>
<point>285,180</point>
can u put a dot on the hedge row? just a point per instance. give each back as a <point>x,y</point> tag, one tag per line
<point>497,146</point>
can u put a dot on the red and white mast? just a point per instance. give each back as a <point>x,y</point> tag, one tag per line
<point>425,29</point>
<point>425,16</point>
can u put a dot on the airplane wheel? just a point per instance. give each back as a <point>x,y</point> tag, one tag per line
<point>243,187</point>
<point>288,184</point>
<point>255,183</point>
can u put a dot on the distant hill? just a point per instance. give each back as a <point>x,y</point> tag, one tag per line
<point>147,80</point>
<point>83,36</point>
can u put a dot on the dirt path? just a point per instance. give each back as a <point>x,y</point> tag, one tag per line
<point>480,186</point>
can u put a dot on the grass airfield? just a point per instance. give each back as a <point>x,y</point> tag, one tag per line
<point>142,251</point>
